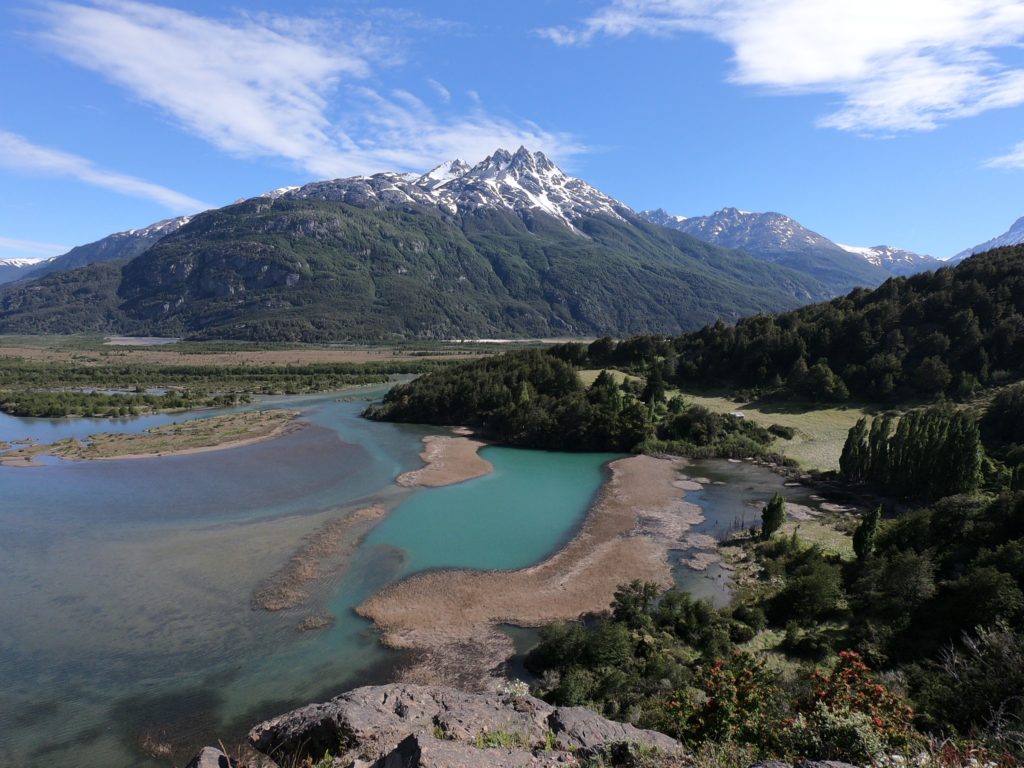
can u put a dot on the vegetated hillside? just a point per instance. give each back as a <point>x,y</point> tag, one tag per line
<point>943,332</point>
<point>79,300</point>
<point>307,269</point>
<point>120,246</point>
<point>939,332</point>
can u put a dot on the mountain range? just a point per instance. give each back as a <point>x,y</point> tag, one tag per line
<point>120,245</point>
<point>15,269</point>
<point>779,239</point>
<point>511,246</point>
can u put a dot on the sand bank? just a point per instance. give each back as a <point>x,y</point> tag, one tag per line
<point>448,460</point>
<point>217,433</point>
<point>449,617</point>
<point>321,553</point>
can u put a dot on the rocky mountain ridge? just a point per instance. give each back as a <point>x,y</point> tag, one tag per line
<point>510,247</point>
<point>523,182</point>
<point>119,245</point>
<point>15,269</point>
<point>778,238</point>
<point>896,261</point>
<point>1013,236</point>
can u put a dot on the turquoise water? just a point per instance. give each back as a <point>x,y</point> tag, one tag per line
<point>125,586</point>
<point>509,519</point>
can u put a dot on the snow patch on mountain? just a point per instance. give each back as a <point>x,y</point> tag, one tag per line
<point>761,233</point>
<point>523,182</point>
<point>892,259</point>
<point>159,229</point>
<point>22,262</point>
<point>768,235</point>
<point>1013,236</point>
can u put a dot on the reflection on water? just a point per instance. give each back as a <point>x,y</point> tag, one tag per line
<point>731,501</point>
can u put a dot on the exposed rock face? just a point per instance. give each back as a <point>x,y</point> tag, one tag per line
<point>410,725</point>
<point>210,757</point>
<point>578,729</point>
<point>422,751</point>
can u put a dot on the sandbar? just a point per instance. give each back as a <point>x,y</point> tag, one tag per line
<point>450,617</point>
<point>322,552</point>
<point>448,460</point>
<point>179,439</point>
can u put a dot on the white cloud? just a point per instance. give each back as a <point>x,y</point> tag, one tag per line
<point>897,65</point>
<point>17,153</point>
<point>32,249</point>
<point>294,88</point>
<point>443,93</point>
<point>1013,159</point>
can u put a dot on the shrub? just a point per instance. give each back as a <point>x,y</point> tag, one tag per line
<point>849,715</point>
<point>786,433</point>
<point>834,733</point>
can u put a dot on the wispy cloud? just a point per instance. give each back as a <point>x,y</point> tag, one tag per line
<point>443,93</point>
<point>31,249</point>
<point>294,88</point>
<point>17,153</point>
<point>1013,159</point>
<point>897,65</point>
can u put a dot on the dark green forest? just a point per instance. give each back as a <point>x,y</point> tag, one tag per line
<point>535,399</point>
<point>947,332</point>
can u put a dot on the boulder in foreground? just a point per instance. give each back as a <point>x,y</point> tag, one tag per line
<point>427,726</point>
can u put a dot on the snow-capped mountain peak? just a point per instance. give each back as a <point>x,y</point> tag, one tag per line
<point>159,229</point>
<point>892,259</point>
<point>21,262</point>
<point>662,217</point>
<point>775,237</point>
<point>524,182</point>
<point>442,174</point>
<point>733,228</point>
<point>1013,236</point>
<point>276,193</point>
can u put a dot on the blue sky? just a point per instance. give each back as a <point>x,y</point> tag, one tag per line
<point>881,121</point>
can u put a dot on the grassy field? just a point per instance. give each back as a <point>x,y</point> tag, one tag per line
<point>94,350</point>
<point>588,376</point>
<point>820,431</point>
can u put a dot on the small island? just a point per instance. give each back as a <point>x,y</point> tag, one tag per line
<point>193,436</point>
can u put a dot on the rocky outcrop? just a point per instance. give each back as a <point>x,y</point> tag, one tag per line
<point>577,729</point>
<point>210,757</point>
<point>423,751</point>
<point>412,726</point>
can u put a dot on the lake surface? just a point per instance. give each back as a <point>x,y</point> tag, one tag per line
<point>125,586</point>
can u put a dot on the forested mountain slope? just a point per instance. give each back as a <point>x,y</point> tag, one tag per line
<point>296,268</point>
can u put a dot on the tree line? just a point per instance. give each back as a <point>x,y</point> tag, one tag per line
<point>534,399</point>
<point>947,332</point>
